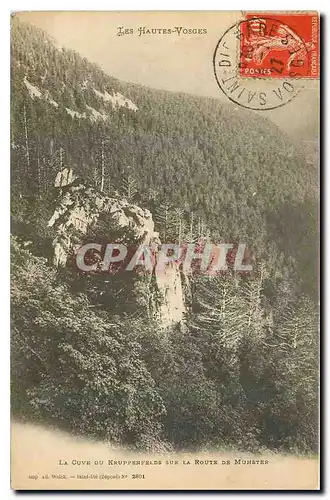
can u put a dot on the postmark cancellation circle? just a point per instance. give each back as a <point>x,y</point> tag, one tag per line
<point>260,63</point>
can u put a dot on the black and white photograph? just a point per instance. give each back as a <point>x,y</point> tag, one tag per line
<point>165,250</point>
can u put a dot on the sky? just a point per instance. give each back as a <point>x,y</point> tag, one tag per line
<point>171,62</point>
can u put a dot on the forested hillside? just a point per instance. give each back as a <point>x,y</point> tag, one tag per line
<point>242,370</point>
<point>228,165</point>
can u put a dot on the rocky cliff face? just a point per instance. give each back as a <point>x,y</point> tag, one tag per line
<point>172,305</point>
<point>79,208</point>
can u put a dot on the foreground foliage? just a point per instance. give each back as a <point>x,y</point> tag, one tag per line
<point>239,374</point>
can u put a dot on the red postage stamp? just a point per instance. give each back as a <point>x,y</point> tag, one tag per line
<point>279,45</point>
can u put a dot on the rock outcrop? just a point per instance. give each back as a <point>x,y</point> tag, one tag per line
<point>80,208</point>
<point>169,284</point>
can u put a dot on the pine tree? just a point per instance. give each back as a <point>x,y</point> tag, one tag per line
<point>164,219</point>
<point>221,308</point>
<point>27,146</point>
<point>102,167</point>
<point>252,291</point>
<point>129,186</point>
<point>179,223</point>
<point>191,232</point>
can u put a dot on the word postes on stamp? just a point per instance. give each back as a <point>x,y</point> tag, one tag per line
<point>263,62</point>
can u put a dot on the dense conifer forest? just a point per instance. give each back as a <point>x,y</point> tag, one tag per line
<point>241,371</point>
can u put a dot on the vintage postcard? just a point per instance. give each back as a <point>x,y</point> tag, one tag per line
<point>164,259</point>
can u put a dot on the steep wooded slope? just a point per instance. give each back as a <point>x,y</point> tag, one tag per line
<point>229,166</point>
